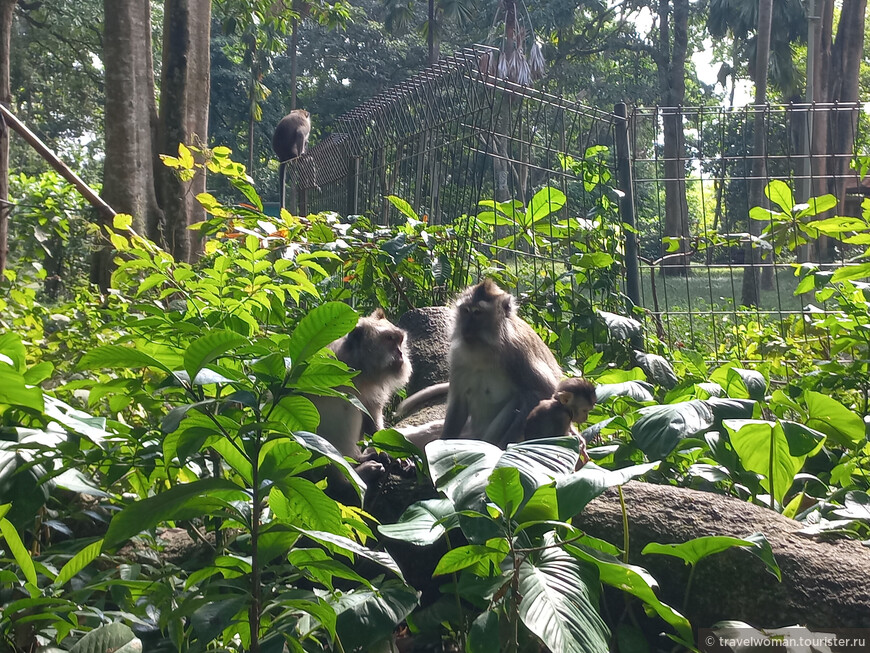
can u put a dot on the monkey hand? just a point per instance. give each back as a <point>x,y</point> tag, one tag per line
<point>370,470</point>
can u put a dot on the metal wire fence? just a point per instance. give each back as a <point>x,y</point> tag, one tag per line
<point>687,178</point>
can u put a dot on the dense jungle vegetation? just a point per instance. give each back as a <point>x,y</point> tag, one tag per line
<point>162,486</point>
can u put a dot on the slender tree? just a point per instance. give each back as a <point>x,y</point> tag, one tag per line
<point>670,58</point>
<point>7,9</point>
<point>184,92</point>
<point>751,276</point>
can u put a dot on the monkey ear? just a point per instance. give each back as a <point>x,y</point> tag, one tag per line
<point>378,314</point>
<point>508,304</point>
<point>563,397</point>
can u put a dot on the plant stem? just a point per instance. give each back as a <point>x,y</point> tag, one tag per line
<point>624,525</point>
<point>254,611</point>
<point>688,588</point>
<point>770,472</point>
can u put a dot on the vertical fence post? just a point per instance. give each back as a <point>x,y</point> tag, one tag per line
<point>353,187</point>
<point>626,203</point>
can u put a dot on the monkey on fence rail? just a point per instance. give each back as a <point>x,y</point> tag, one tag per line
<point>290,141</point>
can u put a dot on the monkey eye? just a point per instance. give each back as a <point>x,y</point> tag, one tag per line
<point>475,310</point>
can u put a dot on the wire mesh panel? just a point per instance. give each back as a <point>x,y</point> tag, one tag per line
<point>697,216</point>
<point>455,135</point>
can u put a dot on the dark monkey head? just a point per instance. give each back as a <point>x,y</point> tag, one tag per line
<point>378,349</point>
<point>578,396</point>
<point>291,135</point>
<point>484,313</point>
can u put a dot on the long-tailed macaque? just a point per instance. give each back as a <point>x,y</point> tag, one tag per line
<point>571,403</point>
<point>378,349</point>
<point>290,141</point>
<point>499,368</point>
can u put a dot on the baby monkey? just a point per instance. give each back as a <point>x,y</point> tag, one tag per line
<point>570,404</point>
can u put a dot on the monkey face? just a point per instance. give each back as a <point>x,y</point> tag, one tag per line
<point>578,405</point>
<point>377,346</point>
<point>480,321</point>
<point>482,313</point>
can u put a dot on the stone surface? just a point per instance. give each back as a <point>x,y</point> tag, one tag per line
<point>429,330</point>
<point>824,582</point>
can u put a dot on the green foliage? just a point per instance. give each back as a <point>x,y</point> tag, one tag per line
<point>525,568</point>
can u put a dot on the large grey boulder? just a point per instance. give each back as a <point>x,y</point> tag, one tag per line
<point>824,582</point>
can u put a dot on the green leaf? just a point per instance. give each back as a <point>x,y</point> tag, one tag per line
<point>295,412</point>
<point>833,419</point>
<point>856,506</point>
<point>350,548</point>
<point>78,562</point>
<point>764,552</point>
<point>210,347</point>
<point>494,551</point>
<point>637,390</point>
<point>422,523</point>
<point>849,272</point>
<point>211,619</point>
<point>403,207</point>
<point>661,428</point>
<point>483,632</point>
<point>19,552</point>
<point>301,502</point>
<point>458,467</point>
<point>398,248</point>
<point>112,357</point>
<point>637,581</point>
<point>740,383</point>
<point>167,505</point>
<point>504,490</point>
<point>322,446</point>
<point>122,222</point>
<point>693,551</point>
<point>839,225</point>
<point>763,446</point>
<point>546,201</point>
<point>366,617</point>
<point>619,327</point>
<point>321,326</point>
<point>763,214</point>
<point>14,390</point>
<point>816,206</point>
<point>38,373</point>
<point>114,638</point>
<point>779,193</point>
<point>574,492</point>
<point>494,219</point>
<point>657,369</point>
<point>13,349</point>
<point>753,381</point>
<point>556,603</point>
<point>246,189</point>
<point>324,374</point>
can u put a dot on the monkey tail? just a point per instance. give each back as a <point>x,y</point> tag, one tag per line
<point>419,398</point>
<point>282,182</point>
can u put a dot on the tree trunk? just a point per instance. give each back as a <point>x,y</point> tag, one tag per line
<point>294,46</point>
<point>671,64</point>
<point>846,56</point>
<point>430,33</point>
<point>751,276</point>
<point>7,8</point>
<point>184,90</point>
<point>128,171</point>
<point>837,65</point>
